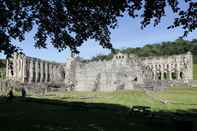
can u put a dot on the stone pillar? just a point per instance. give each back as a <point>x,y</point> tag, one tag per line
<point>18,64</point>
<point>14,67</point>
<point>154,72</point>
<point>46,72</point>
<point>51,71</point>
<point>170,72</point>
<point>7,70</point>
<point>178,72</point>
<point>24,73</point>
<point>30,71</point>
<point>36,71</point>
<point>162,71</point>
<point>41,71</point>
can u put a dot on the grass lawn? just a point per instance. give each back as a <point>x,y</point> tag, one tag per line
<point>98,111</point>
<point>195,71</point>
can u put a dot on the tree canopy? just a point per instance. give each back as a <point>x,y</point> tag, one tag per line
<point>68,23</point>
<point>179,46</point>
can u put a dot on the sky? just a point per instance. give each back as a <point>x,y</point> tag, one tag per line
<point>127,34</point>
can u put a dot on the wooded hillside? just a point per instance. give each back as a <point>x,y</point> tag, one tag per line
<point>179,46</point>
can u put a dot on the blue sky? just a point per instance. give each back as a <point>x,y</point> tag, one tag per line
<point>127,34</point>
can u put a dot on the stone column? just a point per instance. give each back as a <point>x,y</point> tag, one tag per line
<point>52,75</point>
<point>14,67</point>
<point>24,73</point>
<point>7,69</point>
<point>17,68</point>
<point>154,72</point>
<point>170,72</point>
<point>36,71</point>
<point>50,71</point>
<point>41,71</point>
<point>30,71</point>
<point>162,71</point>
<point>178,72</point>
<point>46,72</point>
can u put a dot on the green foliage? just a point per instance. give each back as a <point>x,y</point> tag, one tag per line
<point>69,23</point>
<point>179,46</point>
<point>102,57</point>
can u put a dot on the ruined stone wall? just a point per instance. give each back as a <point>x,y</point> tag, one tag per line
<point>123,72</point>
<point>176,67</point>
<point>25,69</point>
<point>126,72</point>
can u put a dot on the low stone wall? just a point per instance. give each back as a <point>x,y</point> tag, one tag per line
<point>6,85</point>
<point>163,84</point>
<point>41,89</point>
<point>155,85</point>
<point>33,89</point>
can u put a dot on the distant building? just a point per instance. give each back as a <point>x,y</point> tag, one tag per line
<point>122,72</point>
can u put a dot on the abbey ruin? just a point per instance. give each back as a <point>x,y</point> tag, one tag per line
<point>123,72</point>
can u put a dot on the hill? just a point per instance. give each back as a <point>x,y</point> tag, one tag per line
<point>179,46</point>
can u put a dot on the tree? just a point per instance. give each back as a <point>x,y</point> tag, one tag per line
<point>68,23</point>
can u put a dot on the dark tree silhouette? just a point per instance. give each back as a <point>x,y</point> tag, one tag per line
<point>68,23</point>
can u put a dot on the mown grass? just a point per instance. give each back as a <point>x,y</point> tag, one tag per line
<point>177,98</point>
<point>195,71</point>
<point>96,111</point>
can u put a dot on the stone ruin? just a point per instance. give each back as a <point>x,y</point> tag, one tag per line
<point>123,72</point>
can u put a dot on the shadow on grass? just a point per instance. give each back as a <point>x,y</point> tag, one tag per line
<point>33,114</point>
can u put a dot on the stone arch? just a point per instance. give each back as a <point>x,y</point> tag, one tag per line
<point>135,79</point>
<point>152,75</point>
<point>173,76</point>
<point>44,76</point>
<point>159,75</point>
<point>39,75</point>
<point>167,66</point>
<point>165,75</point>
<point>62,74</point>
<point>181,75</point>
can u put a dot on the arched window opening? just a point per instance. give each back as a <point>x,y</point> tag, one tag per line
<point>174,76</point>
<point>159,75</point>
<point>165,75</point>
<point>153,75</point>
<point>43,78</point>
<point>135,79</point>
<point>181,75</point>
<point>39,75</point>
<point>33,79</point>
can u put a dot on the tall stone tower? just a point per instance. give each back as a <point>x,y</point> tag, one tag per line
<point>70,69</point>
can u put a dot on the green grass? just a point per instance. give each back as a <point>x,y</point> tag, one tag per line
<point>99,112</point>
<point>179,98</point>
<point>195,71</point>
